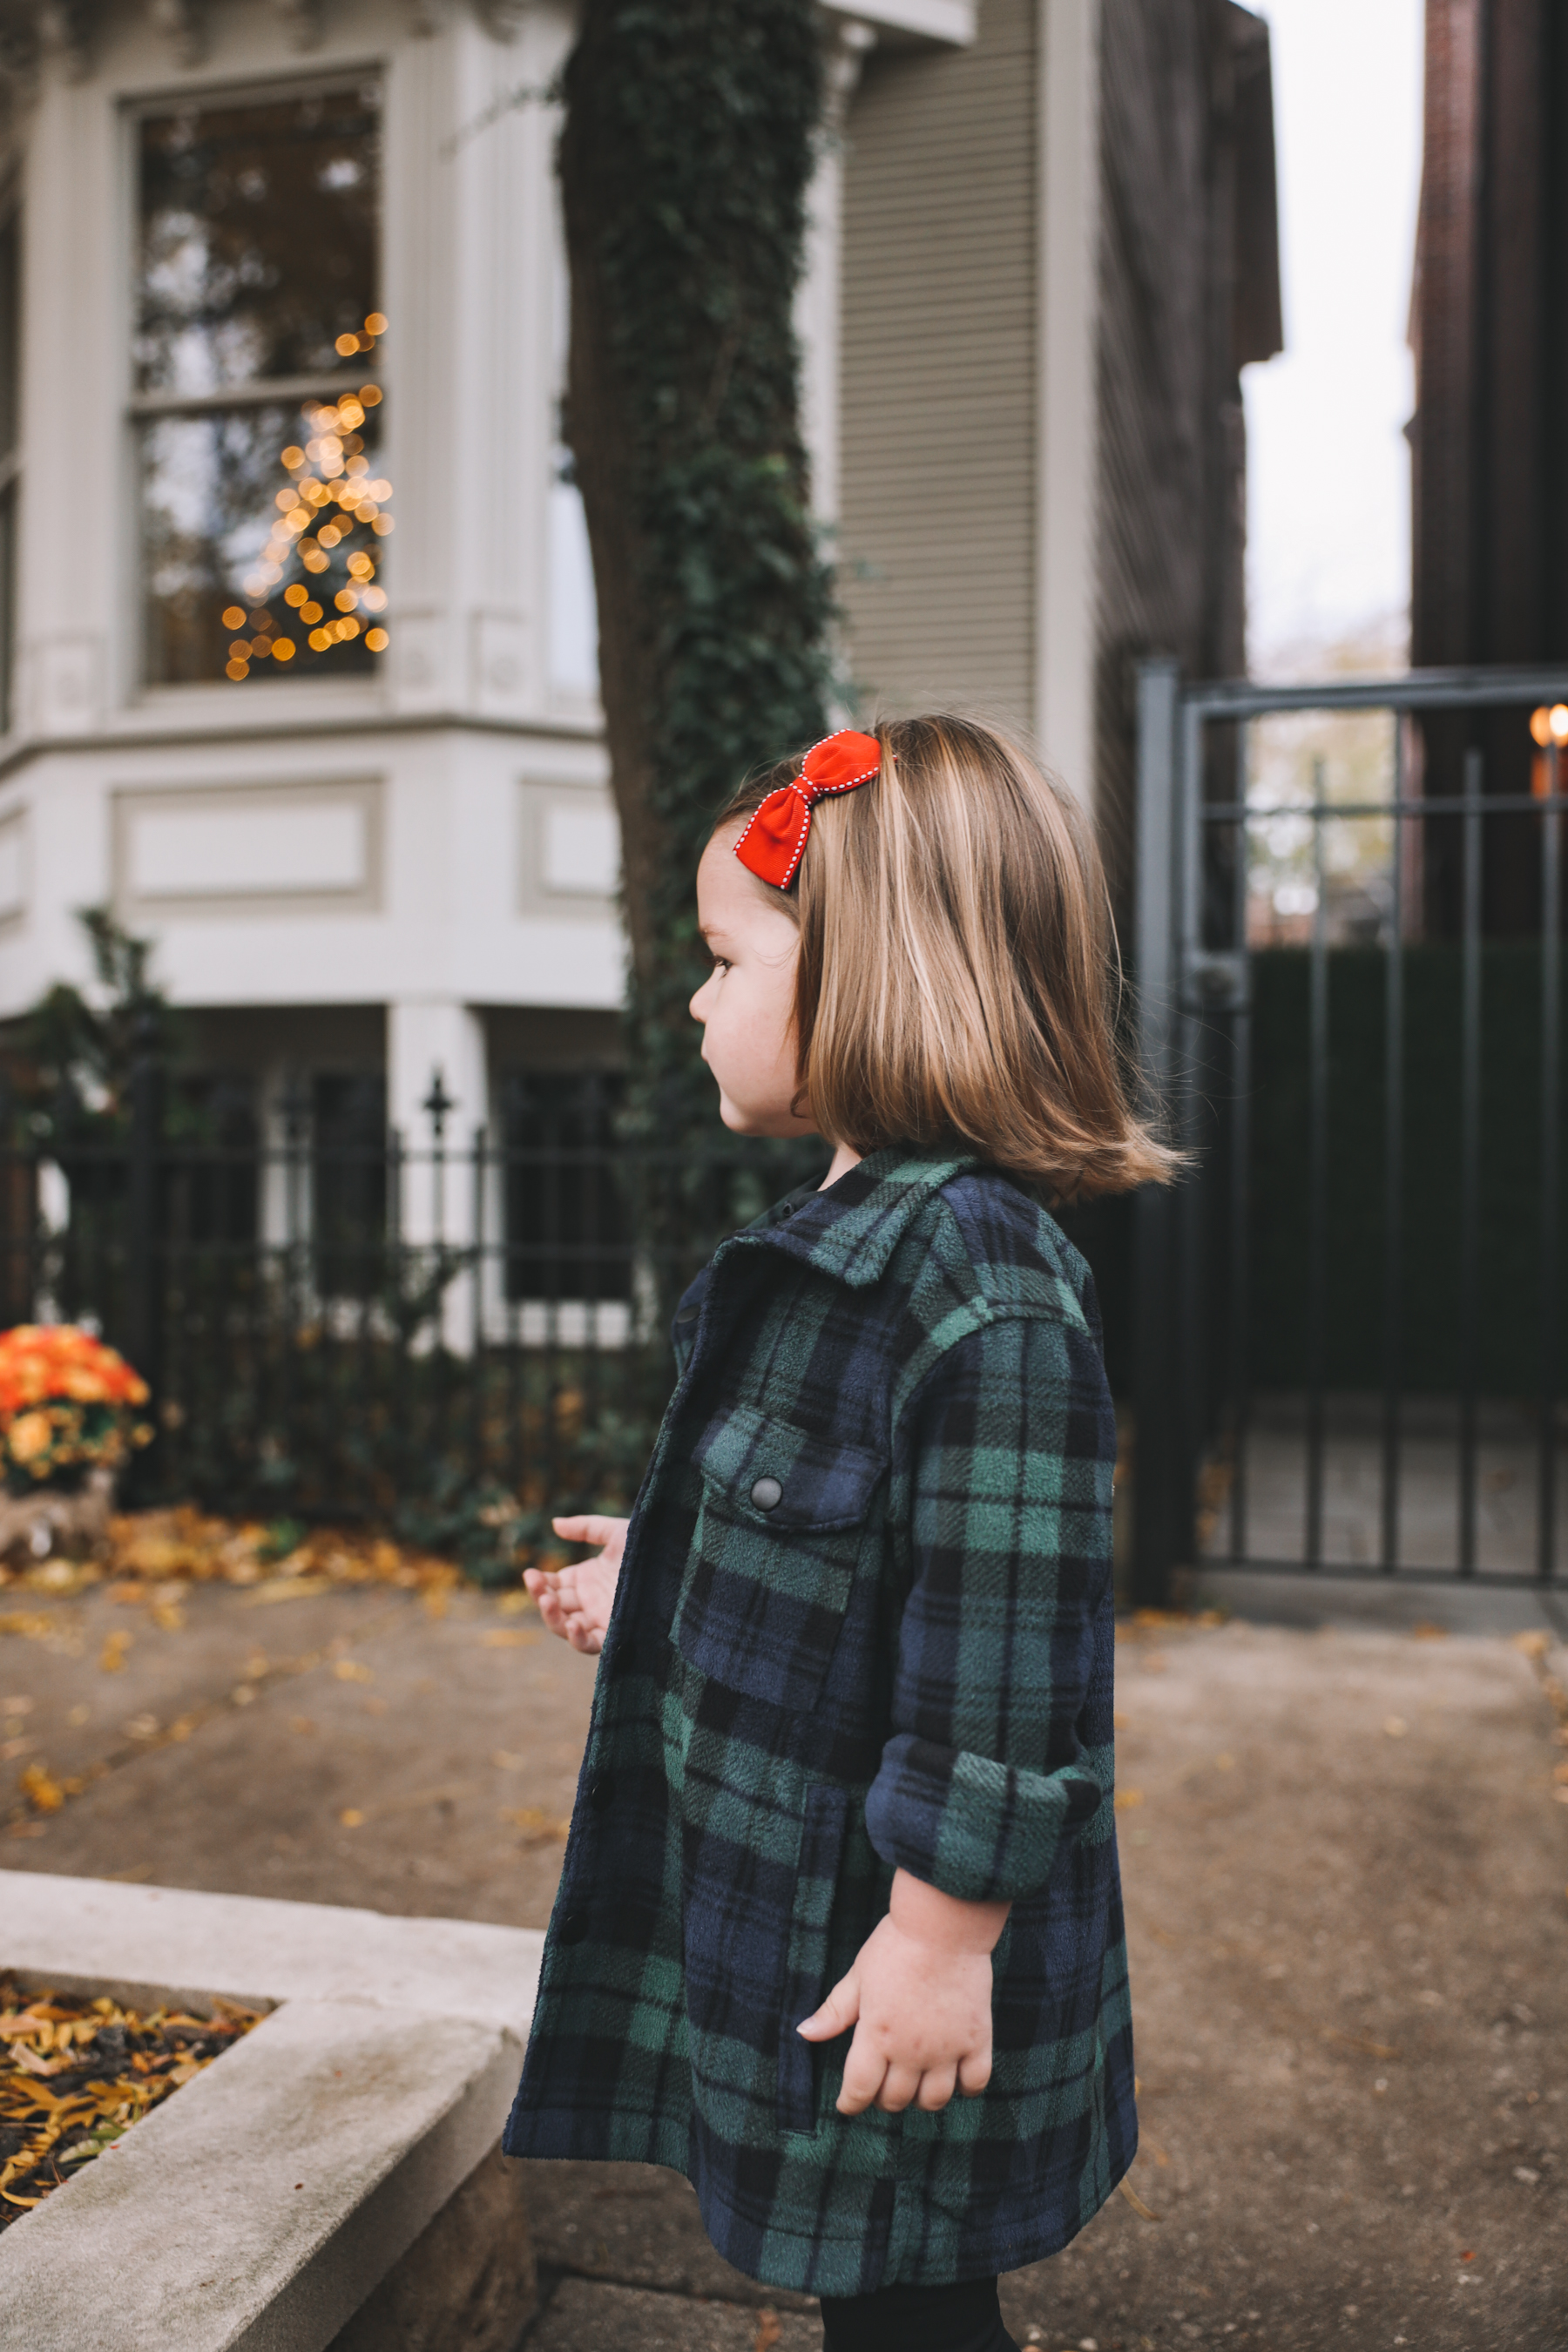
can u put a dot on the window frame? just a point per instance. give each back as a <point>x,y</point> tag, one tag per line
<point>139,408</point>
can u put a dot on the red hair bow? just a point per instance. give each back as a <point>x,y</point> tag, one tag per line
<point>774,841</point>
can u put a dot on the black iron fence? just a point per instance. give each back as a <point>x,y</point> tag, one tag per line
<point>455,1333</point>
<point>1348,1319</point>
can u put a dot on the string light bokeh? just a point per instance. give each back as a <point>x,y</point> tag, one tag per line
<point>330,520</point>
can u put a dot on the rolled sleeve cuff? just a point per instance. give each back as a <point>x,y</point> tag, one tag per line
<point>975,1829</point>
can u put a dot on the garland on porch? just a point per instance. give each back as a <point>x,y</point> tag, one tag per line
<point>685,160</point>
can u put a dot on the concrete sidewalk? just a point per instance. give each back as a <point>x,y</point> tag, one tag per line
<point>1345,1866</point>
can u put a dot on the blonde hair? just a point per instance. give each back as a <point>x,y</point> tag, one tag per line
<point>957,981</point>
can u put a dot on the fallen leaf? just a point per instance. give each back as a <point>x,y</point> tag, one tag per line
<point>351,1818</point>
<point>1428,1632</point>
<point>286,1587</point>
<point>349,1670</point>
<point>1356,2042</point>
<point>1534,1644</point>
<point>1135,2200</point>
<point>43,1794</point>
<point>112,1660</point>
<point>303,1724</point>
<point>1126,1798</point>
<point>768,2331</point>
<point>1396,1726</point>
<point>534,1822</point>
<point>26,1625</point>
<point>505,1762</point>
<point>168,1616</point>
<point>512,1604</point>
<point>503,1637</point>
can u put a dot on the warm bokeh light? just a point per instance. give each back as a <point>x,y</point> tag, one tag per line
<point>375,324</point>
<point>335,498</point>
<point>347,345</point>
<point>1558,722</point>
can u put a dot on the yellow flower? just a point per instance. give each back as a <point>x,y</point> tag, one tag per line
<point>31,1433</point>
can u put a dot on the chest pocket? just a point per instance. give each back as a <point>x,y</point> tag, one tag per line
<point>781,1524</point>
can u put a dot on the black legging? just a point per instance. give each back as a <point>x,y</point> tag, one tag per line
<point>963,2318</point>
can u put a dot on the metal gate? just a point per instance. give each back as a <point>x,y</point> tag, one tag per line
<point>1347,1317</point>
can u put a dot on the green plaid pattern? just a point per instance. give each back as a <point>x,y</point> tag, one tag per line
<point>865,1622</point>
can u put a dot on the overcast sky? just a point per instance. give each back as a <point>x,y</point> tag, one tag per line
<point>1329,487</point>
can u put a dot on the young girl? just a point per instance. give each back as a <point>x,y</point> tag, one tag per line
<point>840,1929</point>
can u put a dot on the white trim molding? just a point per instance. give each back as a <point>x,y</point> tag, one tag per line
<point>951,24</point>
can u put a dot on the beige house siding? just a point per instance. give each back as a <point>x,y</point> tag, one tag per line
<point>938,500</point>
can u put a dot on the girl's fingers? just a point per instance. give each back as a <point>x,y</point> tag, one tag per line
<point>974,2071</point>
<point>863,2076</point>
<point>591,1528</point>
<point>837,2013</point>
<point>899,2084</point>
<point>936,2088</point>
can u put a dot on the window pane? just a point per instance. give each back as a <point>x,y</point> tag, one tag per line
<point>568,1227</point>
<point>244,554</point>
<point>348,1167</point>
<point>260,234</point>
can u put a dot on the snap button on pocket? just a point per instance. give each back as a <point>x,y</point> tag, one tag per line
<point>767,1494</point>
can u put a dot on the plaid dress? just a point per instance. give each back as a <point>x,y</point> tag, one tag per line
<point>864,1623</point>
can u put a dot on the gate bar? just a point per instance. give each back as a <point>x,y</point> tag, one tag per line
<point>1393,1179</point>
<point>1551,1164</point>
<point>1470,1153</point>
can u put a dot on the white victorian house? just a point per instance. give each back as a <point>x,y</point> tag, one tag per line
<point>296,643</point>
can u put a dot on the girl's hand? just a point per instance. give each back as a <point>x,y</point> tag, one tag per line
<point>575,1602</point>
<point>919,1997</point>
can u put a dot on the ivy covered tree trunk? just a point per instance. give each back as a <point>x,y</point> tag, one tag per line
<point>685,161</point>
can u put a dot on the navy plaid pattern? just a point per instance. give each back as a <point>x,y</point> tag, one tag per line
<point>865,1622</point>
